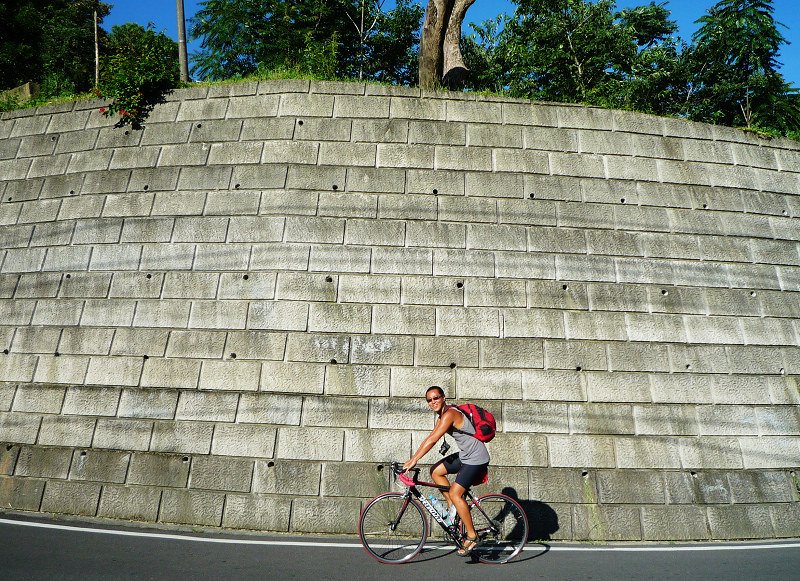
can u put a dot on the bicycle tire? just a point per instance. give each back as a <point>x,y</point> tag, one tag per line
<point>504,537</point>
<point>393,545</point>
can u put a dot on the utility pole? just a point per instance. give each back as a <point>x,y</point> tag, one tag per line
<point>182,57</point>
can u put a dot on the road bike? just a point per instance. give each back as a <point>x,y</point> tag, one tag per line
<point>394,526</point>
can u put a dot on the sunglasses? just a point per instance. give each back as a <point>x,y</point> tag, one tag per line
<point>434,398</point>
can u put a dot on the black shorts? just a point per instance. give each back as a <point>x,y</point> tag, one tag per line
<point>466,474</point>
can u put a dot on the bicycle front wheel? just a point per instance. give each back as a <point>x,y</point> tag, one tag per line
<point>502,528</point>
<point>393,528</point>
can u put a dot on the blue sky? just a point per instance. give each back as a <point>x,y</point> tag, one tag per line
<point>685,12</point>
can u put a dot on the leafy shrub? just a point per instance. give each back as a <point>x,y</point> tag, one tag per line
<point>141,67</point>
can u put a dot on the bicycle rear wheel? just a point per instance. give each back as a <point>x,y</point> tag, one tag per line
<point>393,528</point>
<point>502,528</point>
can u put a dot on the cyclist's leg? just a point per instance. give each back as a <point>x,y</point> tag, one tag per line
<point>467,476</point>
<point>439,471</point>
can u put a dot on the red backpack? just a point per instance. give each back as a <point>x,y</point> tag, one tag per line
<point>483,420</point>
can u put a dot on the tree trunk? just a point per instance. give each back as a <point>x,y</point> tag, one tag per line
<point>431,59</point>
<point>454,72</point>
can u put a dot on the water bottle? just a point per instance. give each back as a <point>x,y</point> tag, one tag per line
<point>440,508</point>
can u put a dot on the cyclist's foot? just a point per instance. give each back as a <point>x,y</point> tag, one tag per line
<point>468,546</point>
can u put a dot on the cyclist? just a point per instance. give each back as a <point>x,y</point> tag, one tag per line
<point>470,464</point>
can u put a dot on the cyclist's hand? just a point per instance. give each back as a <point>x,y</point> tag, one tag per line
<point>409,464</point>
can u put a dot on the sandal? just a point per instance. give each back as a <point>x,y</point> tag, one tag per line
<point>468,546</point>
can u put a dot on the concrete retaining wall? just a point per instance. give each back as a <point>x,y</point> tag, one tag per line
<point>228,318</point>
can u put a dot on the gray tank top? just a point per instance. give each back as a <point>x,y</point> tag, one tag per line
<point>472,451</point>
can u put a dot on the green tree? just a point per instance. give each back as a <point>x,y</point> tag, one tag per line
<point>50,42</point>
<point>735,69</point>
<point>318,37</point>
<point>140,66</point>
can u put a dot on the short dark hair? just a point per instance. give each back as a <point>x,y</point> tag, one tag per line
<point>437,388</point>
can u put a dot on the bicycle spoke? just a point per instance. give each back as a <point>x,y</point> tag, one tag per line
<point>502,528</point>
<point>392,528</point>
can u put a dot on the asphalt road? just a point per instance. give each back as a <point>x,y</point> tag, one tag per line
<point>45,549</point>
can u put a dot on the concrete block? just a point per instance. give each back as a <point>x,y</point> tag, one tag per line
<point>760,487</point>
<point>739,390</point>
<point>269,409</point>
<point>555,385</point>
<point>129,503</point>
<point>713,329</point>
<point>488,384</point>
<point>292,377</point>
<point>209,178</point>
<point>506,353</point>
<point>339,259</point>
<point>446,351</point>
<point>65,258</point>
<point>266,128</point>
<point>595,326</point>
<point>380,131</point>
<point>769,451</point>
<point>148,403</point>
<point>230,375</point>
<point>630,487</point>
<point>43,462</point>
<point>666,420</point>
<point>193,507</point>
<point>368,446</point>
<point>114,370</point>
<point>167,257</point>
<point>375,232</point>
<point>161,313</point>
<point>74,431</point>
<point>617,387</point>
<point>150,342</point>
<point>585,268</point>
<point>785,519</point>
<point>339,318</point>
<point>200,229</point>
<point>407,207</point>
<point>310,443</point>
<point>35,340</point>
<point>454,262</point>
<point>106,182</point>
<point>594,418</point>
<point>740,521</point>
<point>677,300</point>
<point>182,438</point>
<point>30,286</point>
<point>373,289</point>
<point>202,109</point>
<point>86,285</point>
<point>243,440</point>
<point>404,320</point>
<point>99,466</point>
<point>61,369</point>
<point>7,391</point>
<point>219,473</point>
<point>95,401</point>
<point>359,380</point>
<point>255,229</point>
<point>122,434</point>
<point>262,513</point>
<point>463,159</point>
<point>329,515</point>
<point>432,291</point>
<point>645,357</point>
<point>21,493</point>
<point>277,315</point>
<point>184,154</point>
<point>318,348</point>
<point>527,212</point>
<point>301,478</point>
<point>413,381</point>
<point>207,406</point>
<point>252,106</point>
<point>163,133</point>
<point>711,452</point>
<point>698,359</point>
<point>190,285</point>
<point>729,420</point>
<point>404,156</point>
<point>674,523</point>
<point>594,522</point>
<point>43,399</point>
<point>472,322</point>
<point>434,133</point>
<point>330,411</point>
<point>250,345</point>
<point>577,451</point>
<point>775,421</point>
<point>499,293</point>
<point>24,260</point>
<point>359,480</point>
<point>400,414</point>
<point>563,485</point>
<point>518,450</point>
<point>78,498</point>
<point>544,417</point>
<point>97,231</point>
<point>218,314</point>
<point>575,355</point>
<point>382,350</point>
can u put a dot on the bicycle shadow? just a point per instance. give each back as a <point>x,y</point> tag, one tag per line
<point>542,522</point>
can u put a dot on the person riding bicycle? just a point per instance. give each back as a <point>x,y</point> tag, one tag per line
<point>470,464</point>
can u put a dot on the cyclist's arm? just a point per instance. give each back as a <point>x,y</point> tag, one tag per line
<point>444,424</point>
